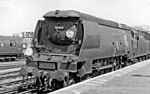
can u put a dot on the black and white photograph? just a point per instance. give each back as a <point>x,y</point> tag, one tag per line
<point>74,46</point>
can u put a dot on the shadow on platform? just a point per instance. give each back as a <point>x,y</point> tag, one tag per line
<point>138,75</point>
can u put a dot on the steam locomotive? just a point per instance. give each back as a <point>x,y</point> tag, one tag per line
<point>10,48</point>
<point>70,46</point>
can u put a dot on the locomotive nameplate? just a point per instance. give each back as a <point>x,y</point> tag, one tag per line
<point>47,65</point>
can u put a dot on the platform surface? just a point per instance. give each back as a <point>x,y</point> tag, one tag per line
<point>134,79</point>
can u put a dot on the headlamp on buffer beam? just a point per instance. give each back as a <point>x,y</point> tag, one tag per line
<point>29,51</point>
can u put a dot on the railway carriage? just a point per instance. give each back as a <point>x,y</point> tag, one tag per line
<point>10,48</point>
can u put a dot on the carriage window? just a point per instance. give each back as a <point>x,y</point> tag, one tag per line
<point>2,44</point>
<point>12,44</point>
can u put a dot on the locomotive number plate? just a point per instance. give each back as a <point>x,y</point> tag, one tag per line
<point>47,65</point>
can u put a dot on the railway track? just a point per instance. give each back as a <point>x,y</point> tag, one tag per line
<point>10,77</point>
<point>10,65</point>
<point>16,92</point>
<point>9,73</point>
<point>11,82</point>
<point>10,70</point>
<point>13,86</point>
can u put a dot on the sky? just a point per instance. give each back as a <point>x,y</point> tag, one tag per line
<point>22,15</point>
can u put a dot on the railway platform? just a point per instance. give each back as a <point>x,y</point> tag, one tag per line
<point>134,79</point>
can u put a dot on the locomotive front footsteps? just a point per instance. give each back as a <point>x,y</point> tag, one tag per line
<point>69,46</point>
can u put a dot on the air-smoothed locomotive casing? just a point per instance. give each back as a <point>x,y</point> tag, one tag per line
<point>104,39</point>
<point>101,38</point>
<point>143,43</point>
